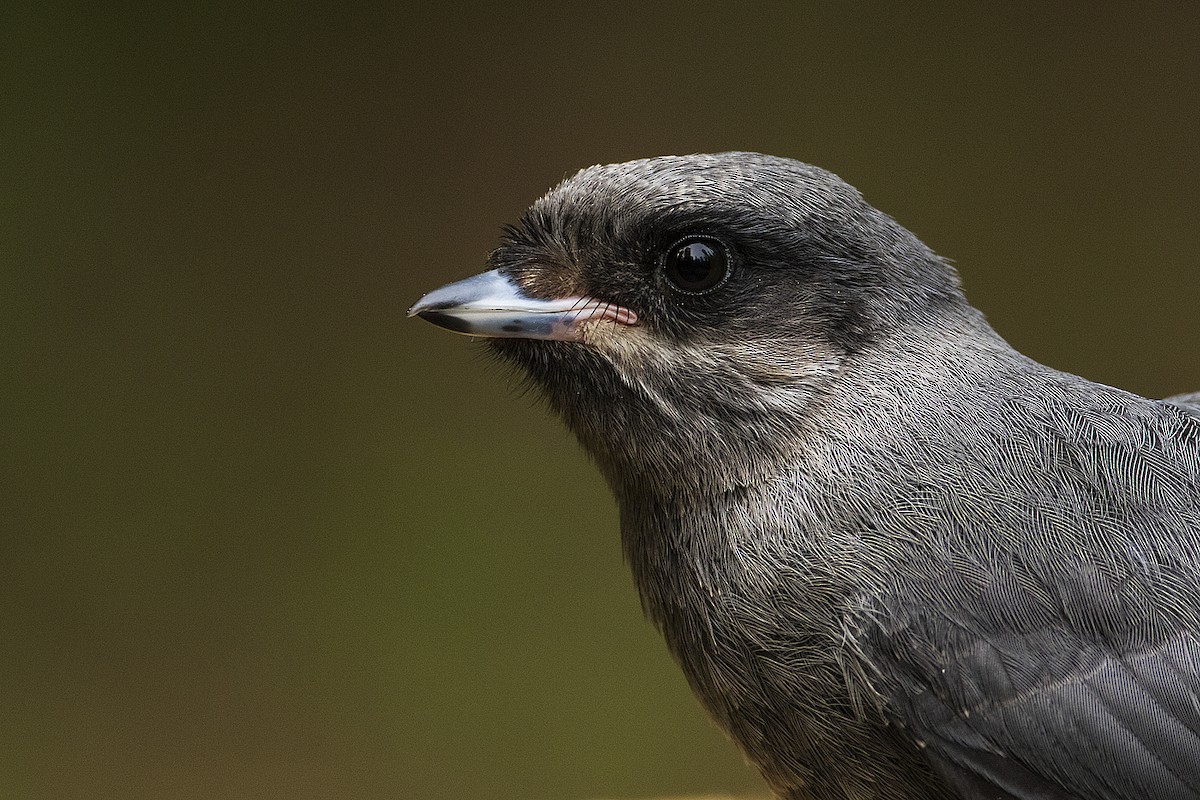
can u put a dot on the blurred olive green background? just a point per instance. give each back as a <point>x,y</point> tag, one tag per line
<point>263,537</point>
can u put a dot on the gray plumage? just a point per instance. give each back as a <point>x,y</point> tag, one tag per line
<point>1189,402</point>
<point>894,557</point>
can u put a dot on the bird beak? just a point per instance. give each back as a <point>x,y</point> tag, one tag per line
<point>492,305</point>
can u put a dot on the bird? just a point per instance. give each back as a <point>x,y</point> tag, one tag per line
<point>894,557</point>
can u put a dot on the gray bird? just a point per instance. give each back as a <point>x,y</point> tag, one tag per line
<point>894,557</point>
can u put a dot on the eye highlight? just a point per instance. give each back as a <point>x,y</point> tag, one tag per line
<point>696,264</point>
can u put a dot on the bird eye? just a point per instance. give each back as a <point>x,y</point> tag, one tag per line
<point>696,265</point>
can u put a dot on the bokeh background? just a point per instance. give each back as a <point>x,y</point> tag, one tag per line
<point>263,537</point>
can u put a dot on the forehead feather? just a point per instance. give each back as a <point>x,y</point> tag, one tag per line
<point>733,183</point>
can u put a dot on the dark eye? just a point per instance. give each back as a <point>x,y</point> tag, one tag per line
<point>696,264</point>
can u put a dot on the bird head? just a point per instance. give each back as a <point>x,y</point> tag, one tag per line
<point>686,314</point>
